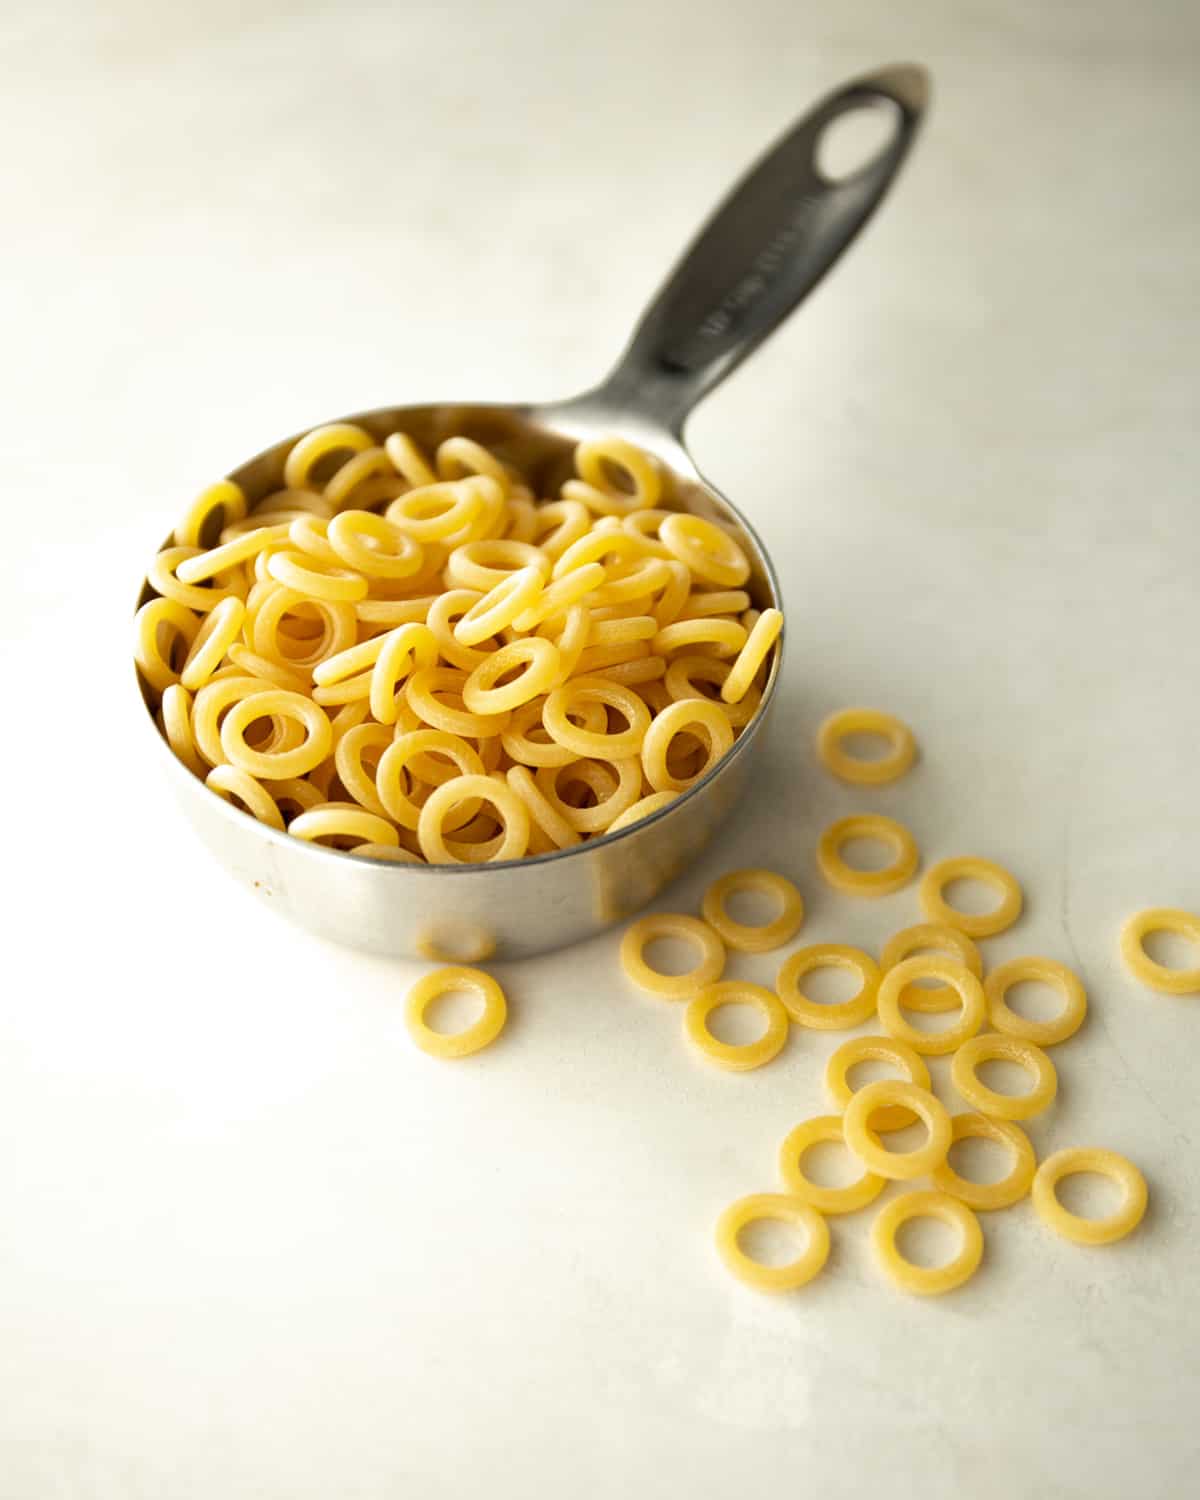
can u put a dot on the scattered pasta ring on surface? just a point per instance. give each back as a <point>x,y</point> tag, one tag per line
<point>1084,1231</point>
<point>875,1049</point>
<point>638,935</point>
<point>861,1138</point>
<point>1043,1033</point>
<point>926,937</point>
<point>851,882</point>
<point>927,1281</point>
<point>738,1057</point>
<point>753,937</point>
<point>985,1197</point>
<point>840,1200</point>
<point>854,769</point>
<point>788,1210</point>
<point>839,1017</point>
<point>1167,981</point>
<point>969,867</point>
<point>893,986</point>
<point>994,1047</point>
<point>475,1037</point>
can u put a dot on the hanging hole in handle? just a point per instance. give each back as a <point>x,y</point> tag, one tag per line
<point>856,138</point>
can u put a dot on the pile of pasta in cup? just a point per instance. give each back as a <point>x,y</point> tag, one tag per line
<point>414,657</point>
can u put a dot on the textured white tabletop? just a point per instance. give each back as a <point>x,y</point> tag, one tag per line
<point>253,1243</point>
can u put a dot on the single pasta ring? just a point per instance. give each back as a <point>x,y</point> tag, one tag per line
<point>875,1049</point>
<point>557,597</point>
<point>352,773</point>
<point>987,1196</point>
<point>155,617</point>
<point>419,690</point>
<point>483,564</point>
<point>218,631</point>
<point>974,924</point>
<point>563,704</point>
<point>806,1012</point>
<point>749,937</point>
<point>541,662</point>
<point>616,785</point>
<point>317,743</point>
<point>672,925</point>
<point>320,443</point>
<point>1074,1226</point>
<point>725,637</point>
<point>342,820</point>
<point>177,726</point>
<point>788,1210</point>
<point>645,808</point>
<point>298,572</point>
<point>737,1057</point>
<point>994,1047</point>
<point>405,650</point>
<point>853,882</point>
<point>1159,977</point>
<point>463,458</point>
<point>688,715</point>
<point>499,606</point>
<point>893,988</point>
<point>927,1281</point>
<point>228,782</point>
<point>224,498</point>
<point>509,807</point>
<point>351,482</point>
<point>401,756</point>
<point>842,1200</point>
<point>852,768</point>
<point>557,525</point>
<point>431,987</point>
<point>164,579</point>
<point>395,555</point>
<point>680,676</point>
<point>438,510</point>
<point>594,461</point>
<point>927,937</point>
<point>1044,1033</point>
<point>861,1138</point>
<point>203,565</point>
<point>763,635</point>
<point>712,554</point>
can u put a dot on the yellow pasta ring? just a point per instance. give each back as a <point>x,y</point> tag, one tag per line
<point>163,578</point>
<point>308,451</point>
<point>224,497</point>
<point>927,1281</point>
<point>1167,981</point>
<point>149,622</point>
<point>969,867</point>
<point>435,511</point>
<point>296,571</point>
<point>994,1047</point>
<point>557,597</point>
<point>485,563</point>
<point>840,1200</point>
<point>499,606</point>
<point>663,924</point>
<point>615,784</point>
<point>408,460</point>
<point>806,1012</point>
<point>432,821</point>
<point>420,690</point>
<point>1044,1033</point>
<point>712,554</point>
<point>788,1210</point>
<point>177,726</point>
<point>342,820</point>
<point>926,937</point>
<point>853,882</point>
<point>475,1037</point>
<point>765,632</point>
<point>645,807</point>
<point>875,1049</point>
<point>541,664</point>
<point>852,768</point>
<point>406,650</point>
<point>228,782</point>
<point>986,1197</point>
<point>734,1056</point>
<point>316,745</point>
<point>901,1166</point>
<point>597,456</point>
<point>395,555</point>
<point>1084,1231</point>
<point>543,813</point>
<point>686,716</point>
<point>725,637</point>
<point>402,752</point>
<point>565,700</point>
<point>218,631</point>
<point>893,988</point>
<point>753,937</point>
<point>463,458</point>
<point>348,758</point>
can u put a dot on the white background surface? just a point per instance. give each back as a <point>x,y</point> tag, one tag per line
<point>253,1244</point>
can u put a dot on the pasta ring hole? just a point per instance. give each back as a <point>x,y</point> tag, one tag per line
<point>928,1242</point>
<point>771,1242</point>
<point>671,956</point>
<point>829,1164</point>
<point>870,1069</point>
<point>1034,1000</point>
<point>868,852</point>
<point>1089,1195</point>
<point>974,898</point>
<point>750,907</point>
<point>981,1160</point>
<point>831,984</point>
<point>736,1024</point>
<point>1003,1076</point>
<point>1170,950</point>
<point>867,745</point>
<point>455,1010</point>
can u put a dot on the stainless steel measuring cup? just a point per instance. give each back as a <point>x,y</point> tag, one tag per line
<point>765,248</point>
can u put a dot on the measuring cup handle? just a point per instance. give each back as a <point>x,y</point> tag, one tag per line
<point>766,246</point>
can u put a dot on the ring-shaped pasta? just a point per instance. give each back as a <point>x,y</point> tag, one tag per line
<point>645,807</point>
<point>216,696</point>
<point>443,612</point>
<point>310,534</point>
<point>843,877</point>
<point>646,930</point>
<point>296,793</point>
<point>267,638</point>
<point>156,618</point>
<point>751,937</point>
<point>614,793</point>
<point>351,482</point>
<point>199,566</point>
<point>681,675</point>
<point>596,659</point>
<point>893,988</point>
<point>557,597</point>
<point>597,457</point>
<point>859,1129</point>
<point>714,602</point>
<point>626,630</point>
<point>218,631</point>
<point>499,606</point>
<point>557,524</point>
<point>633,673</point>
<point>541,663</point>
<point>443,799</point>
<point>224,498</point>
<point>644,525</point>
<point>483,564</point>
<point>930,937</point>
<point>344,820</point>
<point>527,720</point>
<point>710,553</point>
<point>853,768</point>
<point>420,690</point>
<point>787,1210</point>
<point>608,547</point>
<point>540,809</point>
<point>758,645</point>
<point>806,1012</point>
<point>272,672</point>
<point>633,583</point>
<point>399,758</point>
<point>229,782</point>
<point>349,663</point>
<point>394,554</point>
<point>408,460</point>
<point>296,570</point>
<point>349,690</point>
<point>163,579</point>
<point>1043,1033</point>
<point>436,511</point>
<point>1084,1231</point>
<point>393,854</point>
<point>875,1049</point>
<point>406,650</point>
<point>736,1057</point>
<point>686,716</point>
<point>348,758</point>
<point>994,1047</point>
<point>974,924</point>
<point>821,1130</point>
<point>307,453</point>
<point>274,766</point>
<point>725,637</point>
<point>564,702</point>
<point>480,1034</point>
<point>463,458</point>
<point>986,1197</point>
<point>1159,977</point>
<point>675,592</point>
<point>177,726</point>
<point>569,633</point>
<point>927,1281</point>
<point>520,511</point>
